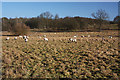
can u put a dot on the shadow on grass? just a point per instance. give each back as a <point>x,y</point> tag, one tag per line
<point>78,31</point>
<point>63,31</point>
<point>9,35</point>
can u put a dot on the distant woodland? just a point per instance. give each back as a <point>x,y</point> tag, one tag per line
<point>48,22</point>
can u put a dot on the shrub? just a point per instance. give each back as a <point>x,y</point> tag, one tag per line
<point>20,29</point>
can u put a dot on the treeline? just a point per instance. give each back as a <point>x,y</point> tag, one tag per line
<point>47,22</point>
<point>17,26</point>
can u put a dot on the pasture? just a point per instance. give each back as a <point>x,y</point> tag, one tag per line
<point>96,56</point>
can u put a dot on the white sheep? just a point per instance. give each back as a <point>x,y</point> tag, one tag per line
<point>46,39</point>
<point>74,40</point>
<point>44,35</point>
<point>15,38</point>
<point>7,38</point>
<point>75,36</point>
<point>71,39</point>
<point>110,36</point>
<point>88,35</point>
<point>26,40</point>
<point>20,36</point>
<point>24,37</point>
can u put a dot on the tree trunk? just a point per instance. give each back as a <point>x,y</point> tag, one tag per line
<point>100,26</point>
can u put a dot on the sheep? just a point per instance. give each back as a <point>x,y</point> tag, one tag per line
<point>75,36</point>
<point>88,35</point>
<point>7,38</point>
<point>110,36</point>
<point>73,40</point>
<point>26,40</point>
<point>82,36</point>
<point>46,39</point>
<point>20,36</point>
<point>24,37</point>
<point>15,38</point>
<point>44,35</point>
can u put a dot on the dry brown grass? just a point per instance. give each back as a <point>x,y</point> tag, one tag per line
<point>59,58</point>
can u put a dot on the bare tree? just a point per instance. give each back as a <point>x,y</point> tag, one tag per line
<point>100,15</point>
<point>46,15</point>
<point>45,18</point>
<point>56,16</point>
<point>116,19</point>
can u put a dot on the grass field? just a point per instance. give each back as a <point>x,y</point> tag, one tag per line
<point>89,57</point>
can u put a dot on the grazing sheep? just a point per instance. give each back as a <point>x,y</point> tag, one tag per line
<point>20,36</point>
<point>73,40</point>
<point>15,38</point>
<point>46,39</point>
<point>26,40</point>
<point>110,36</point>
<point>44,35</point>
<point>7,38</point>
<point>82,36</point>
<point>88,35</point>
<point>75,36</point>
<point>24,37</point>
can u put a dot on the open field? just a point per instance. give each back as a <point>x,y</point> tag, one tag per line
<point>89,57</point>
